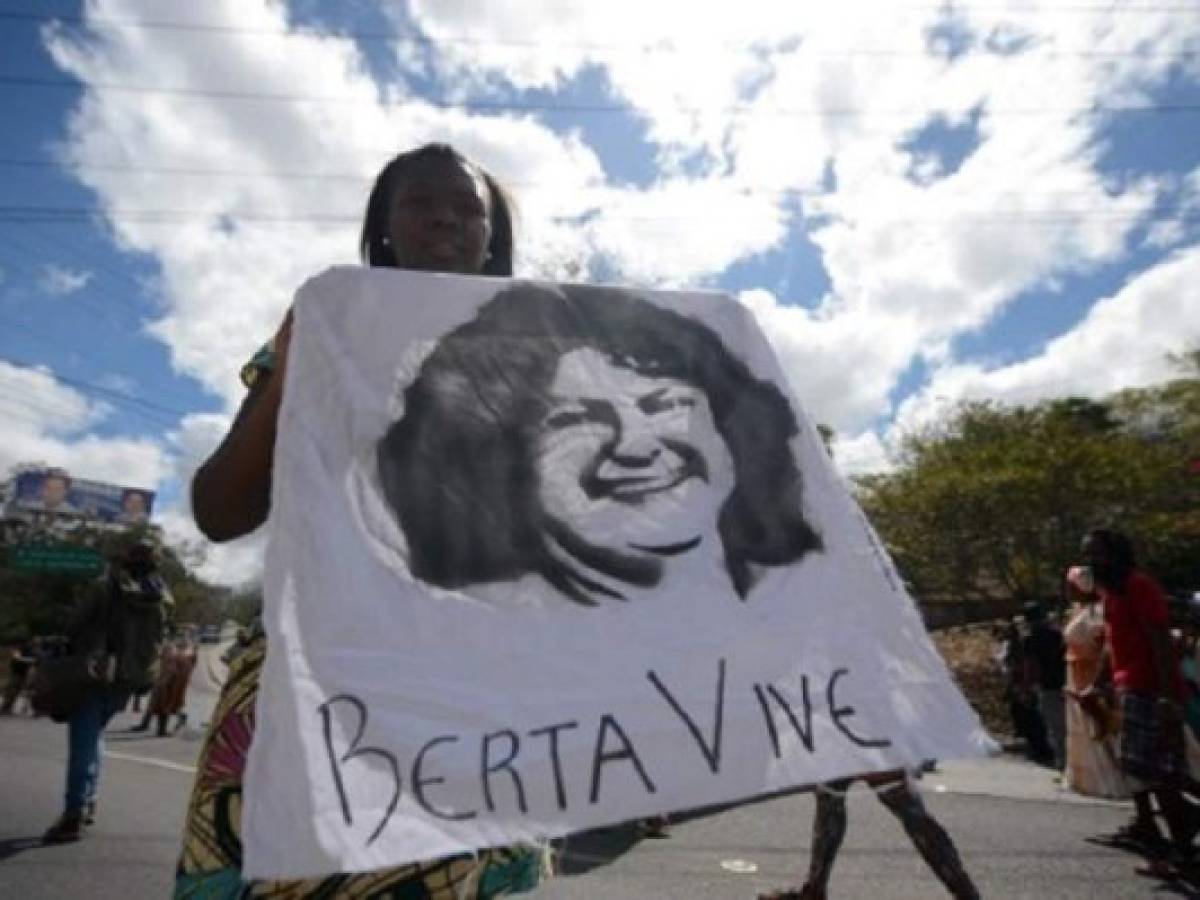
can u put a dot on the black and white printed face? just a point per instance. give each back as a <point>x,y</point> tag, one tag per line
<point>630,462</point>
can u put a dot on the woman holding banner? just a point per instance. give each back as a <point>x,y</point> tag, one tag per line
<point>431,209</point>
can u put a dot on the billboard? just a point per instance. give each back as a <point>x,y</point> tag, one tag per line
<point>56,492</point>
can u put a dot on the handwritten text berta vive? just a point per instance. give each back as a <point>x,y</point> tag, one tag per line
<point>500,750</point>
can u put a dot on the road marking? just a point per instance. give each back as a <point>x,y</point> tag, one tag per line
<point>739,866</point>
<point>151,761</point>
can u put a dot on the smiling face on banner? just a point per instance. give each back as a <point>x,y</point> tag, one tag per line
<point>548,557</point>
<point>630,462</point>
<point>587,436</point>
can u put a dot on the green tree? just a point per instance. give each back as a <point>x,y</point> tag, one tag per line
<point>989,506</point>
<point>33,603</point>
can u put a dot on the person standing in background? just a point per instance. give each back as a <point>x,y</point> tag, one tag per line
<point>1149,688</point>
<point>1022,703</point>
<point>1092,724</point>
<point>176,664</point>
<point>1044,675</point>
<point>119,625</point>
<point>898,792</point>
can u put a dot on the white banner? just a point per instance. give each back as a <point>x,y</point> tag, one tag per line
<point>546,557</point>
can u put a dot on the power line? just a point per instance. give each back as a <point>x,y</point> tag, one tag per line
<point>653,46</point>
<point>48,250</point>
<point>102,313</point>
<point>187,171</point>
<point>35,404</point>
<point>93,260</point>
<point>175,171</point>
<point>296,175</point>
<point>89,301</point>
<point>105,360</point>
<point>572,108</point>
<point>165,414</point>
<point>121,397</point>
<point>65,214</point>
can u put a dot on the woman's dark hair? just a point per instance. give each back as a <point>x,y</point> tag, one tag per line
<point>1118,551</point>
<point>458,468</point>
<point>373,247</point>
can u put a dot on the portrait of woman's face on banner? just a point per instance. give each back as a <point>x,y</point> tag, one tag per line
<point>597,440</point>
<point>544,557</point>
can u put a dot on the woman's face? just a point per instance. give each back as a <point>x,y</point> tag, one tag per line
<point>630,462</point>
<point>439,219</point>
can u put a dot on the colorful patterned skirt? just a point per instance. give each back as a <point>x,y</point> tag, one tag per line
<point>211,861</point>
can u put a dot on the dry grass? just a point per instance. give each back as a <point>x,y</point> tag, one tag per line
<point>968,652</point>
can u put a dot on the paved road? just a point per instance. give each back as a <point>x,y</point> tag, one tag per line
<point>1020,835</point>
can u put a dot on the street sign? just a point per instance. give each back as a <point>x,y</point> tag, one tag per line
<point>64,558</point>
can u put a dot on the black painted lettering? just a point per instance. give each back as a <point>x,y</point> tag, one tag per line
<point>803,731</point>
<point>772,731</point>
<point>551,732</point>
<point>710,750</point>
<point>837,713</point>
<point>354,751</point>
<point>490,768</point>
<point>419,782</point>
<point>602,755</point>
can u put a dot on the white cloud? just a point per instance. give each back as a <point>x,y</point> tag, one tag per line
<point>838,362</point>
<point>233,564</point>
<point>48,422</point>
<point>1182,206</point>
<point>746,112</point>
<point>862,453</point>
<point>1124,341</point>
<point>59,282</point>
<point>227,281</point>
<point>776,96</point>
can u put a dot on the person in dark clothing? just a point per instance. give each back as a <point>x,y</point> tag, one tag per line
<point>898,792</point>
<point>119,625</point>
<point>1044,673</point>
<point>1022,705</point>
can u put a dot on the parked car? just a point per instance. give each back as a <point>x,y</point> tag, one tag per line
<point>210,634</point>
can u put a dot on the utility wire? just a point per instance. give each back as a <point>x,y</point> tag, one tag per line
<point>138,169</point>
<point>165,414</point>
<point>186,171</point>
<point>655,45</point>
<point>106,361</point>
<point>571,108</point>
<point>26,263</point>
<point>63,215</point>
<point>93,261</point>
<point>87,297</point>
<point>39,405</point>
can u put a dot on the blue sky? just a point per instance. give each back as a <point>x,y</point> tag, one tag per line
<point>921,203</point>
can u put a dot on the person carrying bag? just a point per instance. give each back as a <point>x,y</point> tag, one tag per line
<point>116,638</point>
